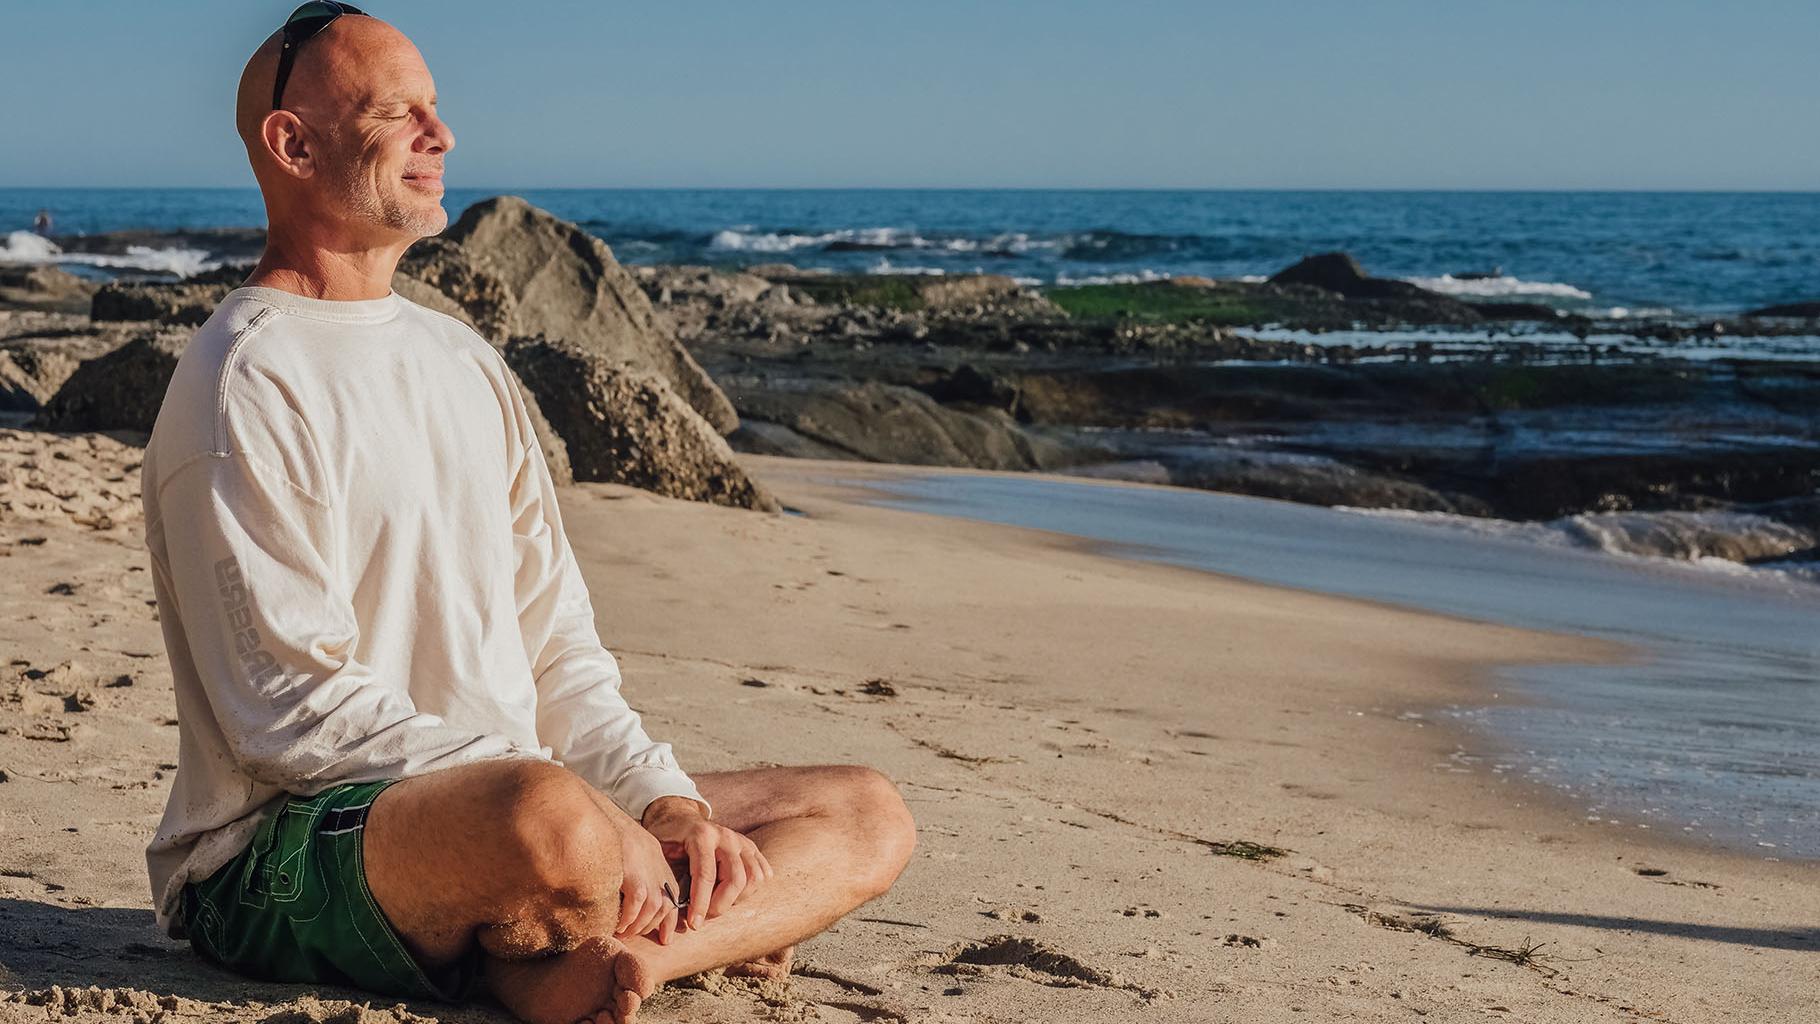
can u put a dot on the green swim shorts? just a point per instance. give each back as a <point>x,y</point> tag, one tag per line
<point>294,906</point>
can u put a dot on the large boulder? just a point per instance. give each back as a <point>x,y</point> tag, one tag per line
<point>462,277</point>
<point>565,284</point>
<point>121,390</point>
<point>625,425</point>
<point>877,422</point>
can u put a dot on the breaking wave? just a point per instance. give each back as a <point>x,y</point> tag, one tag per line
<point>1726,541</point>
<point>1501,287</point>
<point>25,247</point>
<point>747,239</point>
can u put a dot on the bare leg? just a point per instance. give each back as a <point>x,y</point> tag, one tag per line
<point>518,857</point>
<point>835,836</point>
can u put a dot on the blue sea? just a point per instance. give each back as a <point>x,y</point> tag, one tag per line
<point>1603,253</point>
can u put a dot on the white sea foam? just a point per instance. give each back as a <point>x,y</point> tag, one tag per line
<point>742,241</point>
<point>1139,277</point>
<point>885,266</point>
<point>25,247</point>
<point>745,238</point>
<point>1711,540</point>
<point>1501,287</point>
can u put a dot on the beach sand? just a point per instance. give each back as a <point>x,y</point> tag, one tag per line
<point>1102,757</point>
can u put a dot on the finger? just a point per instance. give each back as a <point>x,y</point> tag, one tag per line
<point>702,875</point>
<point>666,926</point>
<point>631,901</point>
<point>755,872</point>
<point>655,909</point>
<point>764,865</point>
<point>732,882</point>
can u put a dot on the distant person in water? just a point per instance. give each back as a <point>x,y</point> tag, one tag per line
<point>42,223</point>
<point>406,762</point>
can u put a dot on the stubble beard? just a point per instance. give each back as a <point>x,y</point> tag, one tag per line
<point>367,202</point>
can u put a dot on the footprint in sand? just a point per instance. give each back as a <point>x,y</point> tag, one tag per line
<point>1030,960</point>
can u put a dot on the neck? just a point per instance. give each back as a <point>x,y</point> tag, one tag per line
<point>320,268</point>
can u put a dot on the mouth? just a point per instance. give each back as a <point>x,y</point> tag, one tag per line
<point>426,181</point>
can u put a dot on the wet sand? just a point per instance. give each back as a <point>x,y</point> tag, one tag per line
<point>1103,756</point>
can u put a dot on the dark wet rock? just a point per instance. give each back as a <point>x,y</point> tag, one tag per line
<point>565,284</point>
<point>121,390</point>
<point>43,287</point>
<point>1516,311</point>
<point>878,422</point>
<point>1338,272</point>
<point>760,438</point>
<point>1314,480</point>
<point>555,449</point>
<point>1803,310</point>
<point>184,303</point>
<point>625,425</point>
<point>19,391</point>
<point>970,385</point>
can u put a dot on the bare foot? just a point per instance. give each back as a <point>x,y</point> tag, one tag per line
<point>774,966</point>
<point>599,981</point>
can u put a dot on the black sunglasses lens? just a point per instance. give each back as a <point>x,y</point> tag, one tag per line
<point>305,22</point>
<point>316,9</point>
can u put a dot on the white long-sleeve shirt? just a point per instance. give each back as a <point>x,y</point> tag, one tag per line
<point>361,574</point>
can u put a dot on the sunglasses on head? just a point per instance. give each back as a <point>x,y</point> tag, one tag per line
<point>304,23</point>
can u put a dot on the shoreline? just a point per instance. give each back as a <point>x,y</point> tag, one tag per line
<point>1101,754</point>
<point>1502,691</point>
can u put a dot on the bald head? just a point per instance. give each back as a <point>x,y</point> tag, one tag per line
<point>357,142</point>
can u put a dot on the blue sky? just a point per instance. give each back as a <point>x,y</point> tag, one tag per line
<point>940,93</point>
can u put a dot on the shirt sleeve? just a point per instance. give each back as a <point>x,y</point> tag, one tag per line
<point>271,632</point>
<point>580,713</point>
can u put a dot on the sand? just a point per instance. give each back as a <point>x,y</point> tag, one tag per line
<point>1104,757</point>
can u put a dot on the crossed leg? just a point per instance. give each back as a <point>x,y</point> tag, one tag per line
<point>520,858</point>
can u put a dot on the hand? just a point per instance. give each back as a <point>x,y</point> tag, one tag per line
<point>643,906</point>
<point>724,866</point>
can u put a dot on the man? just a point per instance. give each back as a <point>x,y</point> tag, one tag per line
<point>405,763</point>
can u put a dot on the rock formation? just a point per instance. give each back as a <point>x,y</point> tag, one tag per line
<point>563,284</point>
<point>625,425</point>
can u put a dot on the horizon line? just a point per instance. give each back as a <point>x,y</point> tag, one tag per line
<point>1601,190</point>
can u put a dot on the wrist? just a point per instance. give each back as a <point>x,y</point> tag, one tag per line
<point>672,808</point>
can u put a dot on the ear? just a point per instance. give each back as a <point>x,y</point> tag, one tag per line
<point>288,143</point>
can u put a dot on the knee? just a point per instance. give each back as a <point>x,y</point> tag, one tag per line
<point>561,843</point>
<point>872,803</point>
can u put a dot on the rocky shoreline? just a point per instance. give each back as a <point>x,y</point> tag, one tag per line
<point>1540,416</point>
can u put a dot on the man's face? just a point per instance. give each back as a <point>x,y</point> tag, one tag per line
<point>381,143</point>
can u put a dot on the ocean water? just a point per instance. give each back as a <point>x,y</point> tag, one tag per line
<point>1609,253</point>
<point>1712,732</point>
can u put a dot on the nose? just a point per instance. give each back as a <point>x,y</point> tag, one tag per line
<point>436,136</point>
